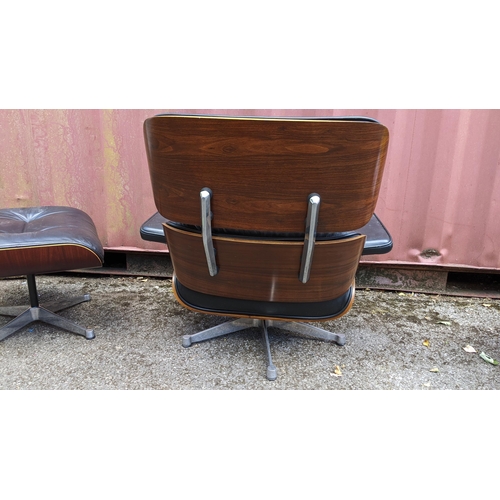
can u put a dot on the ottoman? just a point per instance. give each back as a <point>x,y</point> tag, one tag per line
<point>40,240</point>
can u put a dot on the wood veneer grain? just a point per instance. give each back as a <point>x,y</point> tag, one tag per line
<point>46,259</point>
<point>264,270</point>
<point>262,171</point>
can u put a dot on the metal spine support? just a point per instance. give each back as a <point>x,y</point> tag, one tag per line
<point>206,230</point>
<point>310,236</point>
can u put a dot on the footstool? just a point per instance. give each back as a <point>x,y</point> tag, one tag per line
<point>40,240</point>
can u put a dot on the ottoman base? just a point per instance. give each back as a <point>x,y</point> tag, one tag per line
<point>38,313</point>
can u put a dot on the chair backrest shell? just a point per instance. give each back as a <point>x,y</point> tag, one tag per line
<point>262,170</point>
<point>265,270</point>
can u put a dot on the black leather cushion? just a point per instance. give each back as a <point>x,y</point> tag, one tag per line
<point>41,240</point>
<point>42,226</point>
<point>286,310</point>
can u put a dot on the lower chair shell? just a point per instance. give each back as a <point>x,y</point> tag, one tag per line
<point>243,322</point>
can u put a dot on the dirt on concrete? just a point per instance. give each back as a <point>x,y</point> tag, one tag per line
<point>394,340</point>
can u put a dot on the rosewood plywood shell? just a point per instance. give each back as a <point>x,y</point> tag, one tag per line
<point>46,259</point>
<point>264,270</point>
<point>261,171</point>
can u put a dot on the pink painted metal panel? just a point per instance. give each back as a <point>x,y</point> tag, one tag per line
<point>90,159</point>
<point>441,193</point>
<point>439,197</point>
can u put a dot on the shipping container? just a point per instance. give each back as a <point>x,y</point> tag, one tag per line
<point>440,195</point>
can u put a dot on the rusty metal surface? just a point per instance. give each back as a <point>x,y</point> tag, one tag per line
<point>89,159</point>
<point>440,196</point>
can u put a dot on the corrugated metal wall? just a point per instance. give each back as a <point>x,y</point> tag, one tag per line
<point>90,159</point>
<point>441,194</point>
<point>439,199</point>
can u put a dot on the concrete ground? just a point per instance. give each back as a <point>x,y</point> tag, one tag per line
<point>394,341</point>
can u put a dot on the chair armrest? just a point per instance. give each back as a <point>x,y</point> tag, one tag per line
<point>378,239</point>
<point>152,229</point>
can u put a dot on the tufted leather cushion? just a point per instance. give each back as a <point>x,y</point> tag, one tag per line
<point>47,239</point>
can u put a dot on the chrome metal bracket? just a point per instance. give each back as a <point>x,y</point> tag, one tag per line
<point>310,236</point>
<point>206,230</point>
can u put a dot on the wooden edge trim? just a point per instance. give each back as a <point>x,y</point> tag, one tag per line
<point>263,118</point>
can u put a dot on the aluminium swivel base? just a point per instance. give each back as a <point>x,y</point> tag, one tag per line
<point>35,312</point>
<point>244,323</point>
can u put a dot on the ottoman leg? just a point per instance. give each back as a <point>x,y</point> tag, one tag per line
<point>37,313</point>
<point>16,324</point>
<point>53,305</point>
<point>41,314</point>
<point>59,305</point>
<point>56,320</point>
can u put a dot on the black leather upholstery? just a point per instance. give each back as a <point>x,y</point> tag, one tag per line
<point>44,226</point>
<point>287,310</point>
<point>378,240</point>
